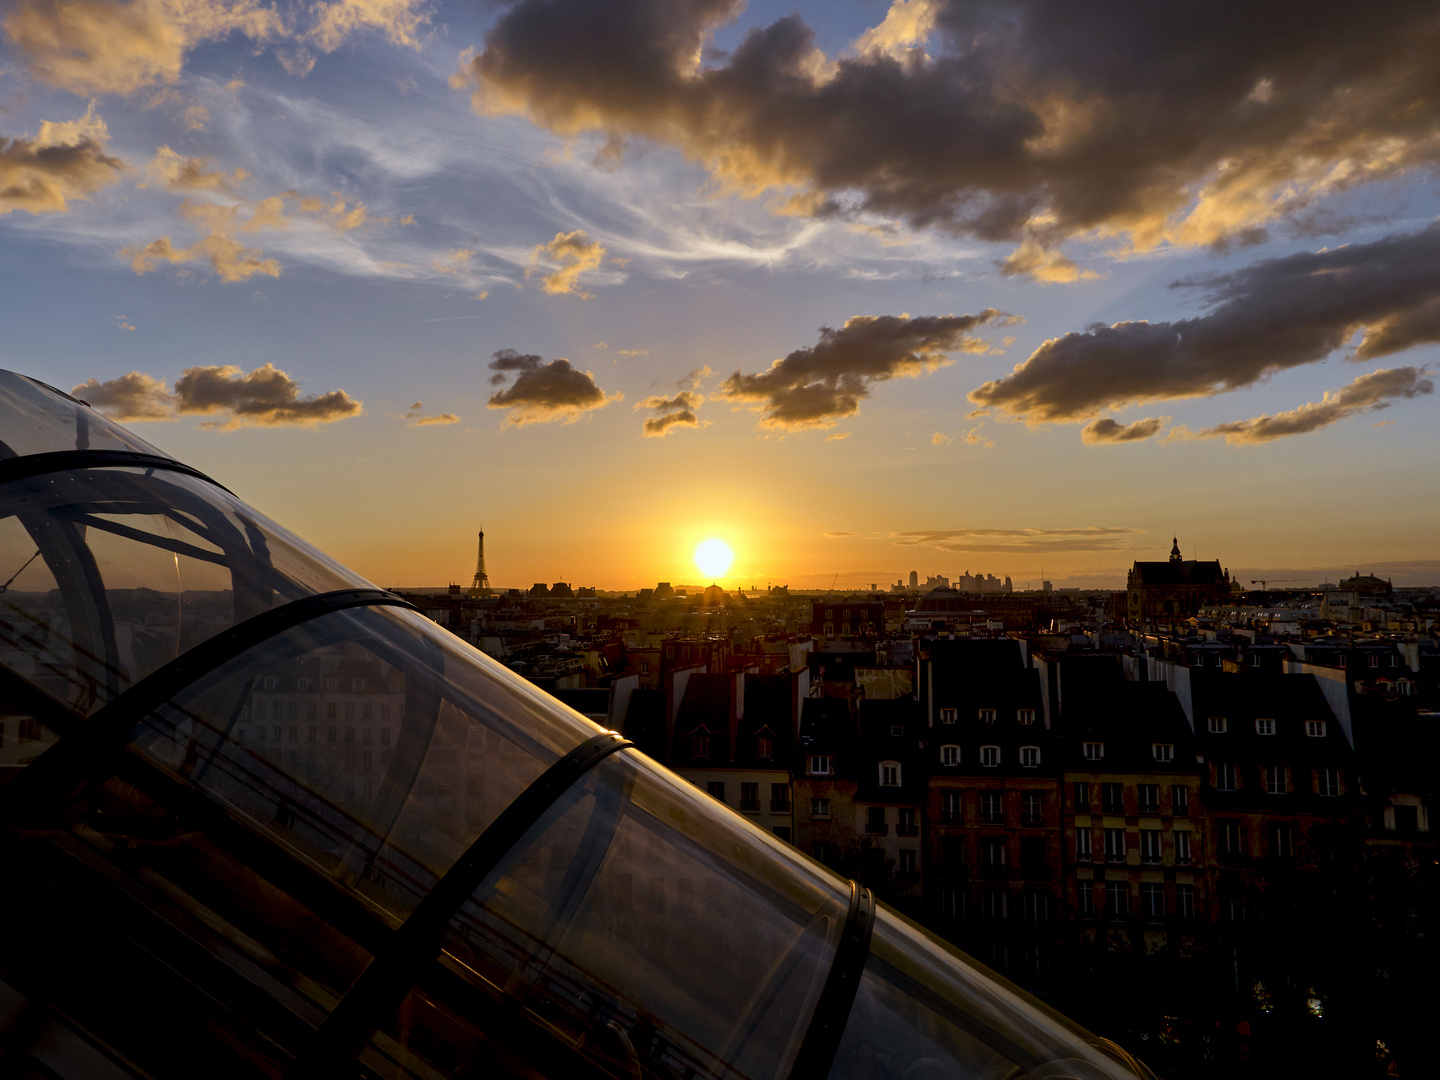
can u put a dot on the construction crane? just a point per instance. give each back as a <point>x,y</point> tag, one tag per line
<point>1264,583</point>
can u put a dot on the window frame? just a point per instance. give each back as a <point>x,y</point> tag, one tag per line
<point>990,756</point>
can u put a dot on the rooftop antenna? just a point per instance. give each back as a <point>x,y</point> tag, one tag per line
<point>481,585</point>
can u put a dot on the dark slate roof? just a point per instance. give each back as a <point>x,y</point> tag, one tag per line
<point>1188,572</point>
<point>1129,718</point>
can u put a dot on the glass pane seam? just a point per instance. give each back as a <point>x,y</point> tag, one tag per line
<point>827,1024</point>
<point>20,468</point>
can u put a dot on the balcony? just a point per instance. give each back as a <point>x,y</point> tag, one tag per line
<point>750,806</point>
<point>780,806</point>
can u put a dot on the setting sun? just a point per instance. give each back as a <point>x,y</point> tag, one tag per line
<point>713,557</point>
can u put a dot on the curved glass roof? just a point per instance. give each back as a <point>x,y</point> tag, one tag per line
<point>257,814</point>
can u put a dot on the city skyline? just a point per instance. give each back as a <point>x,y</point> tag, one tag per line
<point>859,290</point>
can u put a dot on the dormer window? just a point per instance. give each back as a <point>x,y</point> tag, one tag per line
<point>889,774</point>
<point>1030,757</point>
<point>302,684</point>
<point>990,756</point>
<point>1264,727</point>
<point>950,754</point>
<point>1217,725</point>
<point>764,746</point>
<point>1025,716</point>
<point>1163,751</point>
<point>270,682</point>
<point>947,716</point>
<point>1315,729</point>
<point>987,716</point>
<point>1094,751</point>
<point>700,743</point>
<point>821,765</point>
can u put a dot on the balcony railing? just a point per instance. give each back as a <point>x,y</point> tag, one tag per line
<point>780,806</point>
<point>750,805</point>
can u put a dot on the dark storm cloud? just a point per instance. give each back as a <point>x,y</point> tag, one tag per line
<point>1368,393</point>
<point>1194,121</point>
<point>1106,430</point>
<point>1273,315</point>
<point>822,383</point>
<point>267,397</point>
<point>543,391</point>
<point>671,412</point>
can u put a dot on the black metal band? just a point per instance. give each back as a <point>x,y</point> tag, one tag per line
<point>827,1024</point>
<point>391,973</point>
<point>19,468</point>
<point>86,757</point>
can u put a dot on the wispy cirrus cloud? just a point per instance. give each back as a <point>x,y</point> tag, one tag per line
<point>1019,541</point>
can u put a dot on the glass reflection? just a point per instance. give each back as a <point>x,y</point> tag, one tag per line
<point>37,419</point>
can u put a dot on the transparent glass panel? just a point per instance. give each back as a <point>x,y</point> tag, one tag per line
<point>368,741</point>
<point>106,574</point>
<point>641,929</point>
<point>36,420</point>
<point>925,1011</point>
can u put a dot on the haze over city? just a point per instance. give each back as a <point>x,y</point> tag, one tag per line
<point>1016,289</point>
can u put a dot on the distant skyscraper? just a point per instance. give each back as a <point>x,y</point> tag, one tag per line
<point>481,585</point>
<point>914,579</point>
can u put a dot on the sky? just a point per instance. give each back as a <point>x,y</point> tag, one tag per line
<point>1023,288</point>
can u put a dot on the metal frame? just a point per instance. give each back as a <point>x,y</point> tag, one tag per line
<point>21,468</point>
<point>827,1024</point>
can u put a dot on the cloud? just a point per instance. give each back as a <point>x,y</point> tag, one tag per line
<point>838,436</point>
<point>122,324</point>
<point>837,535</point>
<point>455,261</point>
<point>941,439</point>
<point>1368,393</point>
<point>820,384</point>
<point>398,20</point>
<point>1019,541</point>
<point>109,47</point>
<point>575,253</point>
<point>1267,317</point>
<point>64,161</point>
<point>1033,121</point>
<point>175,172</point>
<point>266,397</point>
<point>195,117</point>
<point>134,396</point>
<point>542,391</point>
<point>1108,430</point>
<point>231,260</point>
<point>974,438</point>
<point>672,412</point>
<point>415,417</point>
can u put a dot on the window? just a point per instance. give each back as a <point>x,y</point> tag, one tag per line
<point>1216,725</point>
<point>992,852</point>
<point>1264,727</point>
<point>1182,847</point>
<point>990,756</point>
<point>1185,901</point>
<point>782,831</point>
<point>1149,798</point>
<point>987,716</point>
<point>1082,798</point>
<point>749,796</point>
<point>270,682</point>
<point>819,807</point>
<point>1025,716</point>
<point>950,806</point>
<point>1327,781</point>
<point>385,735</point>
<point>1086,898</point>
<point>897,730</point>
<point>1029,757</point>
<point>1275,779</point>
<point>1037,905</point>
<point>1082,845</point>
<point>1094,751</point>
<point>1150,846</point>
<point>1374,661</point>
<point>822,851</point>
<point>1152,900</point>
<point>994,903</point>
<point>950,755</point>
<point>821,765</point>
<point>1282,840</point>
<point>1114,845</point>
<point>875,821</point>
<point>302,684</point>
<point>764,747</point>
<point>992,811</point>
<point>1180,800</point>
<point>947,716</point>
<point>780,798</point>
<point>1112,798</point>
<point>1232,839</point>
<point>1034,813</point>
<point>1117,899</point>
<point>1225,777</point>
<point>889,774</point>
<point>907,825</point>
<point>700,743</point>
<point>908,865</point>
<point>1315,729</point>
<point>1163,751</point>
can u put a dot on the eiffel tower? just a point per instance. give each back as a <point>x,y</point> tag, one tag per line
<point>481,585</point>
